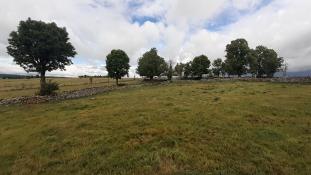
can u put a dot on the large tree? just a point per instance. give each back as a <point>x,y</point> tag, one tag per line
<point>188,69</point>
<point>223,69</point>
<point>200,65</point>
<point>260,53</point>
<point>252,60</point>
<point>40,47</point>
<point>179,69</point>
<point>170,71</point>
<point>237,52</point>
<point>268,61</point>
<point>217,67</point>
<point>117,64</point>
<point>151,64</point>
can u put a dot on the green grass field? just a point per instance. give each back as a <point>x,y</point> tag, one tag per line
<point>182,128</point>
<point>26,87</point>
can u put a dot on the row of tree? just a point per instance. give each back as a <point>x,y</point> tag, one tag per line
<point>259,62</point>
<point>40,47</point>
<point>240,60</point>
<point>149,65</point>
<point>195,68</point>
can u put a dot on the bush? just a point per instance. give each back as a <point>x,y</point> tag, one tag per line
<point>49,88</point>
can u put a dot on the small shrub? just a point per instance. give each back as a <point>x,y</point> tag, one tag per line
<point>49,89</point>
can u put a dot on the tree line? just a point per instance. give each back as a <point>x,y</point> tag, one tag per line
<point>240,60</point>
<point>40,47</point>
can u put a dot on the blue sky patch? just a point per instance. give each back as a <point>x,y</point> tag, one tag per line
<point>134,4</point>
<point>142,19</point>
<point>231,15</point>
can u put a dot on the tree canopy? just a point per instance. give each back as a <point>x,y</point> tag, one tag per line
<point>237,52</point>
<point>252,62</point>
<point>217,67</point>
<point>200,65</point>
<point>170,71</point>
<point>267,61</point>
<point>151,64</point>
<point>188,69</point>
<point>39,47</point>
<point>179,69</point>
<point>117,64</point>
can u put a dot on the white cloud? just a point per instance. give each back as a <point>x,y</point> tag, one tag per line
<point>96,27</point>
<point>245,4</point>
<point>185,12</point>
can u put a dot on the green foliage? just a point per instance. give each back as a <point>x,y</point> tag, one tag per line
<point>268,61</point>
<point>259,62</point>
<point>217,67</point>
<point>117,64</point>
<point>223,69</point>
<point>200,65</point>
<point>49,88</point>
<point>39,47</point>
<point>252,62</point>
<point>237,52</point>
<point>170,71</point>
<point>264,62</point>
<point>188,69</point>
<point>272,65</point>
<point>151,64</point>
<point>197,67</point>
<point>261,53</point>
<point>179,69</point>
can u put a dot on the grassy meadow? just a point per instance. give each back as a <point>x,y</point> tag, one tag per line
<point>181,128</point>
<point>26,87</point>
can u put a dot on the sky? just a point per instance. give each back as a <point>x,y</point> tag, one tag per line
<point>179,29</point>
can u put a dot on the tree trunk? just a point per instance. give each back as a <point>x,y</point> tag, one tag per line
<point>42,80</point>
<point>117,81</point>
<point>151,77</point>
<point>270,75</point>
<point>259,75</point>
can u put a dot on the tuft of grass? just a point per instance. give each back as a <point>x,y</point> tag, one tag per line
<point>216,99</point>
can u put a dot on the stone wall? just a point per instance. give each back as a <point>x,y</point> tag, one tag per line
<point>282,80</point>
<point>61,96</point>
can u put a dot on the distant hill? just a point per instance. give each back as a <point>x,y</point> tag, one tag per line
<point>18,76</point>
<point>14,76</point>
<point>306,73</point>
